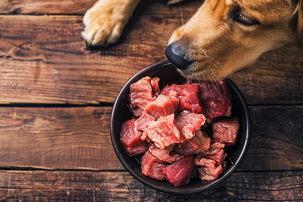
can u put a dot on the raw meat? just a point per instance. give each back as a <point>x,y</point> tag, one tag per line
<point>143,121</point>
<point>163,132</point>
<point>216,99</point>
<point>187,147</point>
<point>204,141</point>
<point>141,93</point>
<point>138,149</point>
<point>164,105</point>
<point>155,86</point>
<point>189,96</point>
<point>208,169</point>
<point>164,154</point>
<point>215,147</point>
<point>131,139</point>
<point>226,130</point>
<point>165,141</point>
<point>152,167</point>
<point>180,171</point>
<point>188,123</point>
<point>129,136</point>
<point>218,157</point>
<point>198,143</point>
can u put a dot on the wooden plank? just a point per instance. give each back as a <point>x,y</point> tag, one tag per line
<point>276,77</point>
<point>120,186</point>
<point>45,60</point>
<point>45,6</point>
<point>57,138</point>
<point>158,7</point>
<point>78,138</point>
<point>39,82</point>
<point>276,142</point>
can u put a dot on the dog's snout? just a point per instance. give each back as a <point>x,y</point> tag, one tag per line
<point>175,54</point>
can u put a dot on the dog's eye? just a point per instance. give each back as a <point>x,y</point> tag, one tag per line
<point>244,20</point>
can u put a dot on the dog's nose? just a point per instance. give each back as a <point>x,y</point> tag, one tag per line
<point>176,56</point>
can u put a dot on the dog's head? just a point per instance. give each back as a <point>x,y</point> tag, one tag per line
<point>226,35</point>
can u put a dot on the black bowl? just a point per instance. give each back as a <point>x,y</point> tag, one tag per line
<point>168,75</point>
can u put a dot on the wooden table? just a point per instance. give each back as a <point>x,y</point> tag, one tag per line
<point>56,97</point>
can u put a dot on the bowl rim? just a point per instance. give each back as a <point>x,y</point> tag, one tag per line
<point>236,164</point>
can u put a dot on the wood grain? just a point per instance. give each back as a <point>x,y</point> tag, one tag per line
<point>57,138</point>
<point>45,60</point>
<point>81,6</point>
<point>78,138</point>
<point>120,186</point>
<point>45,6</point>
<point>277,140</point>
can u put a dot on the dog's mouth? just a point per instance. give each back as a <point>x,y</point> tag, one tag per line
<point>202,68</point>
<point>195,72</point>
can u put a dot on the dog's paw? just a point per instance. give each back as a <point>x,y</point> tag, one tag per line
<point>102,25</point>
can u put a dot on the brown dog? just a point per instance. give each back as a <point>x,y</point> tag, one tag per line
<point>222,36</point>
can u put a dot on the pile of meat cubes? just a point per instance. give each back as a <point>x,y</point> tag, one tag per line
<point>166,129</point>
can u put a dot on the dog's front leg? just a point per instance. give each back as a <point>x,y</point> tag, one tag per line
<point>105,21</point>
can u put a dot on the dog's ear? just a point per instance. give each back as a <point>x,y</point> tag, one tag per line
<point>298,15</point>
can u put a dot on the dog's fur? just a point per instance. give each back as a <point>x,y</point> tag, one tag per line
<point>215,44</point>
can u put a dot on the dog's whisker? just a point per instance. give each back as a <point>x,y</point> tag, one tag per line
<point>176,26</point>
<point>164,34</point>
<point>161,44</point>
<point>181,13</point>
<point>164,43</point>
<point>216,82</point>
<point>214,62</point>
<point>215,85</point>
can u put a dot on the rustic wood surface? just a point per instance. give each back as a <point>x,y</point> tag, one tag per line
<point>63,152</point>
<point>48,52</point>
<point>121,186</point>
<point>78,138</point>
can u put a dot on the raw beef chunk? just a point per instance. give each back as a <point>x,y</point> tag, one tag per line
<point>166,146</point>
<point>218,157</point>
<point>198,143</point>
<point>187,147</point>
<point>131,139</point>
<point>129,136</point>
<point>164,154</point>
<point>164,105</point>
<point>163,132</point>
<point>152,167</point>
<point>204,141</point>
<point>143,121</point>
<point>180,171</point>
<point>208,169</point>
<point>188,123</point>
<point>138,149</point>
<point>226,130</point>
<point>215,147</point>
<point>189,96</point>
<point>155,86</point>
<point>216,99</point>
<point>141,93</point>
